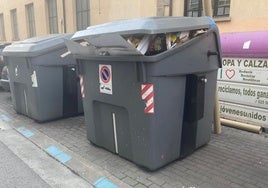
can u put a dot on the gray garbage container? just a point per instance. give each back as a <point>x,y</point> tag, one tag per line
<point>148,100</point>
<point>43,85</point>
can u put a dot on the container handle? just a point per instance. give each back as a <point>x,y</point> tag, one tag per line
<point>212,53</point>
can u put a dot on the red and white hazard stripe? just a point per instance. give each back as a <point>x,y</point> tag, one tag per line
<point>147,94</point>
<point>82,85</point>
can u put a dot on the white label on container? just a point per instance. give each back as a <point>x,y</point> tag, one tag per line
<point>105,79</point>
<point>34,79</point>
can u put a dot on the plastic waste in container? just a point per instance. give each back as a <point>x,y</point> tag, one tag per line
<point>43,85</point>
<point>149,85</point>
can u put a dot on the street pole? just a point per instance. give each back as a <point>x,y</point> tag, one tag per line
<point>207,7</point>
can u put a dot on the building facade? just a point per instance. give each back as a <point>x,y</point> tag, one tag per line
<point>22,19</point>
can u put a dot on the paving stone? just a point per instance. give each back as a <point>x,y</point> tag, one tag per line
<point>119,175</point>
<point>144,181</point>
<point>130,181</point>
<point>154,186</point>
<point>262,185</point>
<point>157,179</point>
<point>234,185</point>
<point>207,185</point>
<point>249,185</point>
<point>167,185</point>
<point>140,186</point>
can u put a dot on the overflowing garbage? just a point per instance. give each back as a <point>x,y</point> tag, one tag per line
<point>154,44</point>
<point>132,44</point>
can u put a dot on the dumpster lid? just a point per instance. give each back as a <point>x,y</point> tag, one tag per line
<point>36,46</point>
<point>150,25</point>
<point>245,44</point>
<point>136,36</point>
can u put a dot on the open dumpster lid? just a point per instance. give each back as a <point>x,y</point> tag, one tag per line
<point>151,25</point>
<point>36,46</point>
<point>245,44</point>
<point>113,39</point>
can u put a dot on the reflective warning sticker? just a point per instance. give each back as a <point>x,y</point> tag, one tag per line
<point>147,94</point>
<point>105,79</point>
<point>82,85</point>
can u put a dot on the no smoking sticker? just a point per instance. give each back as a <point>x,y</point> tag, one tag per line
<point>105,79</point>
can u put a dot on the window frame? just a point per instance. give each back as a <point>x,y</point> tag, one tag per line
<point>52,16</point>
<point>188,10</point>
<point>82,12</point>
<point>216,7</point>
<point>30,19</point>
<point>14,24</point>
<point>2,28</point>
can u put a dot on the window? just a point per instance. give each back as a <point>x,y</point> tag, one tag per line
<point>193,8</point>
<point>2,28</point>
<point>14,23</point>
<point>221,8</point>
<point>52,16</point>
<point>31,21</point>
<point>82,14</point>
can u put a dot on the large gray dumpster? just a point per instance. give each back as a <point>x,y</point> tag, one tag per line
<point>147,100</point>
<point>43,85</point>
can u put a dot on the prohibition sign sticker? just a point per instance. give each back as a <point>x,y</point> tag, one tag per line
<point>105,79</point>
<point>105,74</point>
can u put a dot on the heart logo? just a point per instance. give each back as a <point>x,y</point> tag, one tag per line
<point>230,73</point>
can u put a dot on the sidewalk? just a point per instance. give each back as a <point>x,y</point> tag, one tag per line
<point>25,165</point>
<point>233,159</point>
<point>15,173</point>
